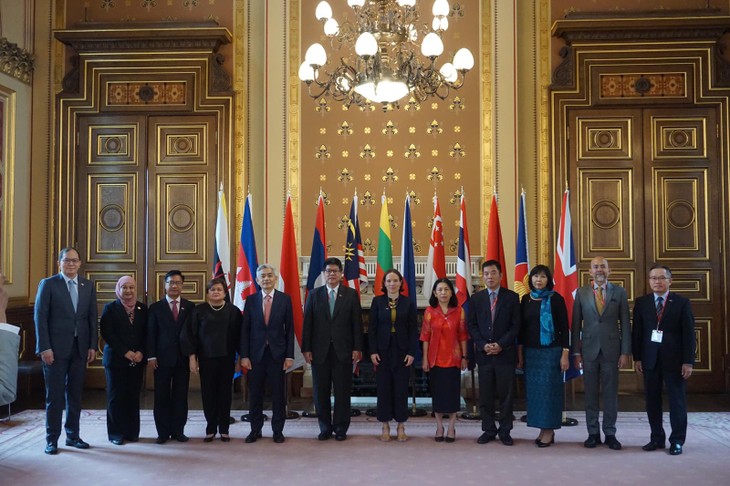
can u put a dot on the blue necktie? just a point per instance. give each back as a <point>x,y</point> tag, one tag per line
<point>74,293</point>
<point>659,306</point>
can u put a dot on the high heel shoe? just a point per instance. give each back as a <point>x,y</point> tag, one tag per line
<point>225,438</point>
<point>385,435</point>
<point>452,438</point>
<point>439,437</point>
<point>402,437</point>
<point>542,444</point>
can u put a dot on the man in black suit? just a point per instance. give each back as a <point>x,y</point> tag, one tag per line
<point>267,351</point>
<point>664,352</point>
<point>494,321</point>
<point>332,343</point>
<point>67,338</point>
<point>166,319</point>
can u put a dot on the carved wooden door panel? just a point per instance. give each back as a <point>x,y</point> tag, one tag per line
<point>643,185</point>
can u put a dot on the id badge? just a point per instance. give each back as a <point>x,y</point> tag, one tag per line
<point>656,336</point>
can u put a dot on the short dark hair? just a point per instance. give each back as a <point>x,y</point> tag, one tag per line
<point>65,250</point>
<point>214,281</point>
<point>173,273</point>
<point>492,263</point>
<point>332,261</point>
<point>388,272</point>
<point>434,302</point>
<point>657,266</point>
<point>541,269</point>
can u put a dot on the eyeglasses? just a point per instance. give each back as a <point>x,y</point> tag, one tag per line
<point>330,271</point>
<point>174,283</point>
<point>74,261</point>
<point>658,279</point>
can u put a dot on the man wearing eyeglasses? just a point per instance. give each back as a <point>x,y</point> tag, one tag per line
<point>332,342</point>
<point>166,318</point>
<point>664,352</point>
<point>66,340</point>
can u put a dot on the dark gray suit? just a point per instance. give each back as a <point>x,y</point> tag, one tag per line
<point>70,335</point>
<point>601,339</point>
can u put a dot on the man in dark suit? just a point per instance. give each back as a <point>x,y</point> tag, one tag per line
<point>167,318</point>
<point>267,351</point>
<point>494,322</point>
<point>332,343</point>
<point>664,352</point>
<point>67,338</point>
<point>601,340</point>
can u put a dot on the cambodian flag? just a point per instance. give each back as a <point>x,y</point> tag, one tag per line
<point>246,261</point>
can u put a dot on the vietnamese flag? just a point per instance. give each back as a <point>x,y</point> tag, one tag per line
<point>495,247</point>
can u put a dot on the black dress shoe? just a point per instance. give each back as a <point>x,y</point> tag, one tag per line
<point>278,437</point>
<point>181,437</point>
<point>77,443</point>
<point>51,448</point>
<point>132,439</point>
<point>506,439</point>
<point>653,445</point>
<point>592,441</point>
<point>209,438</point>
<point>340,437</point>
<point>675,449</point>
<point>253,436</point>
<point>486,438</point>
<point>161,440</point>
<point>612,443</point>
<point>117,441</point>
<point>225,438</point>
<point>324,435</point>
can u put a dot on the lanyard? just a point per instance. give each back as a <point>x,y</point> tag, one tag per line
<point>600,297</point>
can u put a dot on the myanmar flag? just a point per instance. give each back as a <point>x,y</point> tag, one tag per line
<point>385,249</point>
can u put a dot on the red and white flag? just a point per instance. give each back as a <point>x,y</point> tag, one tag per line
<point>495,246</point>
<point>464,287</point>
<point>289,282</point>
<point>436,266</point>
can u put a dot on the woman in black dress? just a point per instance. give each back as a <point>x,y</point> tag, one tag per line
<point>123,327</point>
<point>393,339</point>
<point>212,336</point>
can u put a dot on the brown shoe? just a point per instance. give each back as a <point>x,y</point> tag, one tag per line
<point>402,437</point>
<point>385,436</point>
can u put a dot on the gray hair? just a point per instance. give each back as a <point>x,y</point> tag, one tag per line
<point>263,267</point>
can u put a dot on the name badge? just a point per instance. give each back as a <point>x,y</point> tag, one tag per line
<point>656,336</point>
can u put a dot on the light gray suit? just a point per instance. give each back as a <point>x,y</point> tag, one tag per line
<point>601,339</point>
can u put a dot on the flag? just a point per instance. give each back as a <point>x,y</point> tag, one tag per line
<point>407,259</point>
<point>495,247</point>
<point>316,277</point>
<point>246,260</point>
<point>356,276</point>
<point>464,286</point>
<point>385,248</point>
<point>522,260</point>
<point>566,273</point>
<point>222,248</point>
<point>436,265</point>
<point>289,280</point>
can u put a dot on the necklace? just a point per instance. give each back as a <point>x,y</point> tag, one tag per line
<point>217,309</point>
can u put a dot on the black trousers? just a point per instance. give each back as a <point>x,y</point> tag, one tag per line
<point>336,375</point>
<point>270,371</point>
<point>171,399</point>
<point>391,380</point>
<point>216,375</point>
<point>64,383</point>
<point>122,401</point>
<point>676,393</point>
<point>496,381</point>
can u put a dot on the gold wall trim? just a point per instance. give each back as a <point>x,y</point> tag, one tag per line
<point>240,123</point>
<point>16,62</point>
<point>7,172</point>
<point>542,204</point>
<point>295,97</point>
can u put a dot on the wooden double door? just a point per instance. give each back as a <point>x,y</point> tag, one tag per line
<point>146,201</point>
<point>647,187</point>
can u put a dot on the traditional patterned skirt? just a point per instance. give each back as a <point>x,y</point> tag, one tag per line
<point>544,384</point>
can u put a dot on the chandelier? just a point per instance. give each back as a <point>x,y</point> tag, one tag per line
<point>387,36</point>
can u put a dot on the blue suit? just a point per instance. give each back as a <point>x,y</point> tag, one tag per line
<point>70,334</point>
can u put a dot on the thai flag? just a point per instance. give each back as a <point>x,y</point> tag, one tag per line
<point>464,286</point>
<point>316,276</point>
<point>566,273</point>
<point>246,261</point>
<point>222,248</point>
<point>522,259</point>
<point>407,259</point>
<point>289,280</point>
<point>436,265</point>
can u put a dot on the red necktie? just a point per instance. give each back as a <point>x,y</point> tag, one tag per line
<point>267,309</point>
<point>174,310</point>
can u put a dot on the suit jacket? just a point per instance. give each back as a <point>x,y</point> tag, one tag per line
<point>56,321</point>
<point>678,326</point>
<point>279,333</point>
<point>343,329</point>
<point>120,335</point>
<point>608,332</point>
<point>503,330</point>
<point>406,326</point>
<point>163,332</point>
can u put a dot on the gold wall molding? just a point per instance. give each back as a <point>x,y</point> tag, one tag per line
<point>15,61</point>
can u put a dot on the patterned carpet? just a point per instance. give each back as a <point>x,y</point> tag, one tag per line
<point>362,459</point>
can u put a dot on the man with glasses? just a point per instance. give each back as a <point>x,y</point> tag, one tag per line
<point>664,352</point>
<point>332,343</point>
<point>66,340</point>
<point>166,318</point>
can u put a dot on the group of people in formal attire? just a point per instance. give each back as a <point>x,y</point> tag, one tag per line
<point>176,338</point>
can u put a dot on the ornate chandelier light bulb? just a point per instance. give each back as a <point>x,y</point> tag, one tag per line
<point>395,54</point>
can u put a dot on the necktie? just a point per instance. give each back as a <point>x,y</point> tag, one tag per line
<point>332,302</point>
<point>175,312</point>
<point>599,300</point>
<point>74,293</point>
<point>493,303</point>
<point>267,309</point>
<point>659,306</point>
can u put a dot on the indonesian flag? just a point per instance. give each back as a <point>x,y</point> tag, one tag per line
<point>222,248</point>
<point>464,286</point>
<point>385,248</point>
<point>522,260</point>
<point>289,280</point>
<point>495,247</point>
<point>566,273</point>
<point>316,276</point>
<point>436,266</point>
<point>407,259</point>
<point>246,260</point>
